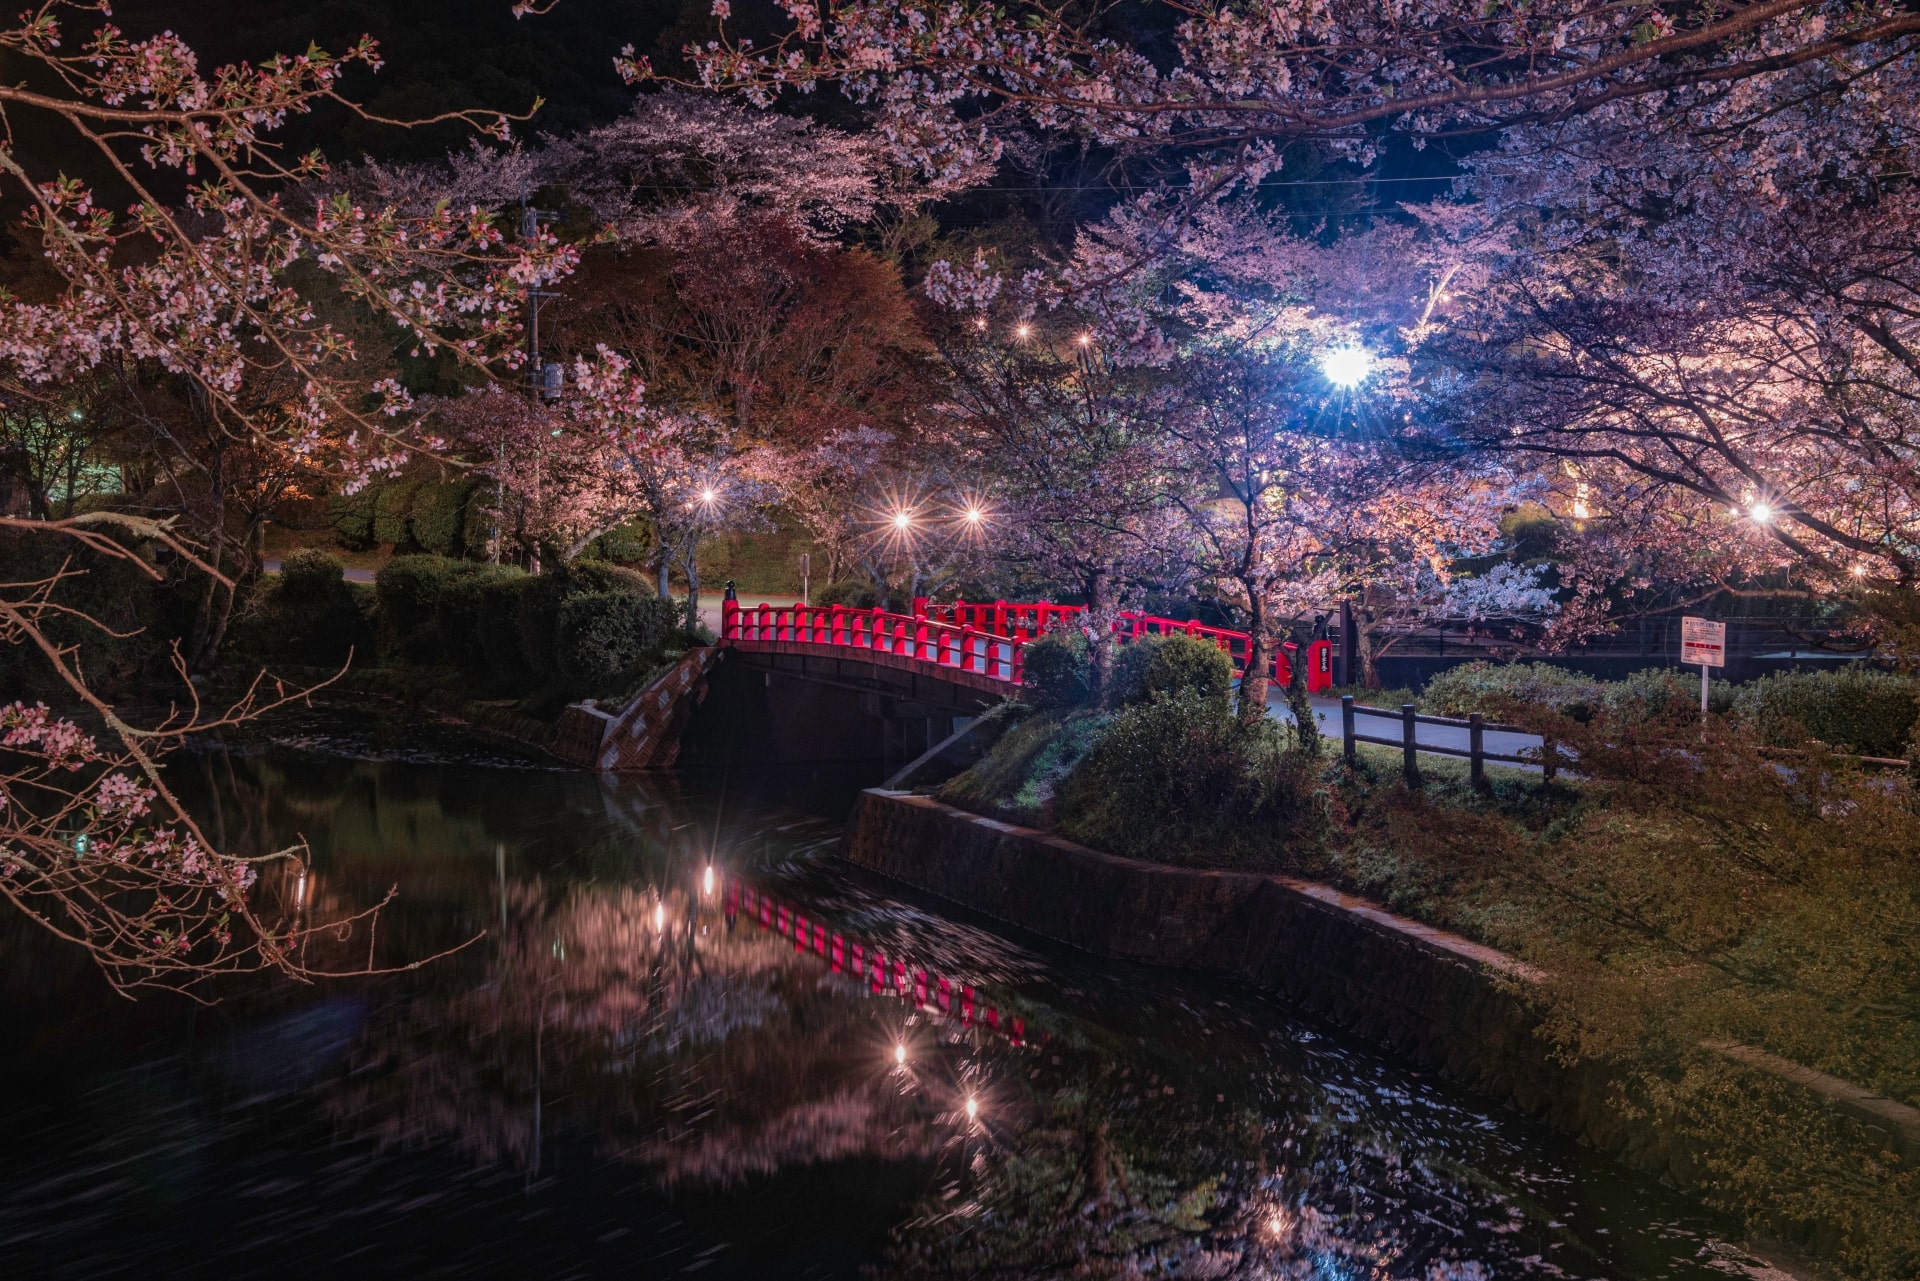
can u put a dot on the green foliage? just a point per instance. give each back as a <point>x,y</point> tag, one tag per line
<point>461,620</point>
<point>602,636</point>
<point>476,521</point>
<point>351,516</point>
<point>499,627</point>
<point>1057,671</point>
<point>310,573</point>
<point>1495,690</point>
<point>310,616</point>
<point>393,512</point>
<point>1018,777</point>
<point>408,591</point>
<point>126,642</point>
<point>628,544</point>
<point>1854,709</point>
<point>1657,693</point>
<point>1179,779</point>
<point>1159,665</point>
<point>854,593</point>
<point>439,516</point>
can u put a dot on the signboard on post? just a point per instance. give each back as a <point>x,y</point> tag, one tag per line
<point>1703,641</point>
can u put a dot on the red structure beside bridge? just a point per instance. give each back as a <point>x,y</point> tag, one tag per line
<point>979,639</point>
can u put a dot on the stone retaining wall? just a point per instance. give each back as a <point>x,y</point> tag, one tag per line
<point>1432,998</point>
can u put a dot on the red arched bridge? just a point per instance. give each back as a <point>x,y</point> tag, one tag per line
<point>968,639</point>
<point>818,684</point>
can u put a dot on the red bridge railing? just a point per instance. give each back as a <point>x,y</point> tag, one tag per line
<point>986,639</point>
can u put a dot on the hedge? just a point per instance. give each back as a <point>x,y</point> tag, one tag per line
<point>392,511</point>
<point>461,619</point>
<point>1161,665</point>
<point>1854,709</point>
<point>1057,670</point>
<point>1492,690</point>
<point>408,589</point>
<point>438,516</point>
<point>601,636</point>
<point>351,516</point>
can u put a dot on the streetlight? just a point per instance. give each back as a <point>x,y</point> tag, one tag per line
<point>900,1055</point>
<point>707,495</point>
<point>1022,331</point>
<point>706,882</point>
<point>973,1108</point>
<point>975,516</point>
<point>1085,340</point>
<point>1346,367</point>
<point>1761,513</point>
<point>903,520</point>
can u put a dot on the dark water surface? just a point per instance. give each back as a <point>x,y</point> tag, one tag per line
<point>621,1077</point>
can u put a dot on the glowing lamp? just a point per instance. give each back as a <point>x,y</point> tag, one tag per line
<point>707,495</point>
<point>1086,340</point>
<point>706,882</point>
<point>902,520</point>
<point>973,1109</point>
<point>1346,367</point>
<point>659,916</point>
<point>975,515</point>
<point>1761,513</point>
<point>1022,331</point>
<point>900,1054</point>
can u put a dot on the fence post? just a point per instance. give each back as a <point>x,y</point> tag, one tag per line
<point>1476,750</point>
<point>1349,749</point>
<point>1410,744</point>
<point>1549,757</point>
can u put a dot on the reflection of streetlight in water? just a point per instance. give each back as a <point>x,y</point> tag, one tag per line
<point>706,882</point>
<point>973,1108</point>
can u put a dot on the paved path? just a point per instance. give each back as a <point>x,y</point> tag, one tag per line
<point>1327,711</point>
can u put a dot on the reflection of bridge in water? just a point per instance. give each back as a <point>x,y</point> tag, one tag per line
<point>934,994</point>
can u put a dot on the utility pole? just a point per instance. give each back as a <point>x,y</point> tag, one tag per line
<point>544,381</point>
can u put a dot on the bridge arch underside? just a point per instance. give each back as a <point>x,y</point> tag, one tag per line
<point>862,714</point>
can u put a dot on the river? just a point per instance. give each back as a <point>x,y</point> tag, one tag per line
<point>660,1043</point>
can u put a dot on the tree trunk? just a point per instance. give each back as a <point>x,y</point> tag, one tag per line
<point>1254,681</point>
<point>693,588</point>
<point>1363,643</point>
<point>1306,725</point>
<point>666,574</point>
<point>1101,608</point>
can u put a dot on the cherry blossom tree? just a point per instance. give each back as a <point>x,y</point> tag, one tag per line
<point>1228,85</point>
<point>216,279</point>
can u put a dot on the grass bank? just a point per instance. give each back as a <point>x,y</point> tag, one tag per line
<point>1692,888</point>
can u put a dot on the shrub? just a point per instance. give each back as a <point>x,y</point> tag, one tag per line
<point>594,575</point>
<point>310,573</point>
<point>1662,693</point>
<point>1057,670</point>
<point>311,615</point>
<point>1157,665</point>
<point>499,627</point>
<point>854,593</point>
<point>351,516</point>
<point>461,618</point>
<point>408,591</point>
<point>538,620</point>
<point>604,635</point>
<point>1493,690</point>
<point>439,514</point>
<point>393,513</point>
<point>1854,709</point>
<point>1179,779</point>
<point>476,521</point>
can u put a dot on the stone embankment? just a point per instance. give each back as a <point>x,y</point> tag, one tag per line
<point>1433,998</point>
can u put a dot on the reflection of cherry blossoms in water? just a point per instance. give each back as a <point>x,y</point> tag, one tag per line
<point>697,1050</point>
